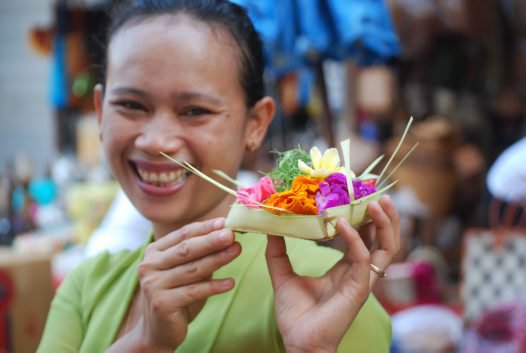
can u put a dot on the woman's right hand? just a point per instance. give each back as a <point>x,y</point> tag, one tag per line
<point>175,280</point>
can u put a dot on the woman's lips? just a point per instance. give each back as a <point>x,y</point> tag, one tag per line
<point>159,179</point>
<point>165,178</point>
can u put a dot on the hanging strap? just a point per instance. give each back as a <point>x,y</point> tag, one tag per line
<point>504,217</point>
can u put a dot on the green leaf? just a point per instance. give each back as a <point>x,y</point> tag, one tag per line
<point>287,167</point>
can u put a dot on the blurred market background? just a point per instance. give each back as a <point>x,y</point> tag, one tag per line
<point>340,69</point>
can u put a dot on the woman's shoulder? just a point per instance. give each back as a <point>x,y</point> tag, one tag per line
<point>102,272</point>
<point>100,279</point>
<point>105,263</point>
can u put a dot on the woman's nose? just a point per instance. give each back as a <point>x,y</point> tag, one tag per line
<point>160,133</point>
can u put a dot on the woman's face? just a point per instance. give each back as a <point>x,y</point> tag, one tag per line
<point>172,85</point>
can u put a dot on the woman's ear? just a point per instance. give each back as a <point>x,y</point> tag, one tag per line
<point>259,118</point>
<point>98,98</point>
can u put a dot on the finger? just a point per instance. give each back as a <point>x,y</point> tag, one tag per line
<point>387,205</point>
<point>192,249</point>
<point>278,262</point>
<point>386,220</point>
<point>198,270</point>
<point>171,299</point>
<point>357,254</point>
<point>385,229</point>
<point>189,231</point>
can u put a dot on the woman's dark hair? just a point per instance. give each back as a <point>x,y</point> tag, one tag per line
<point>229,16</point>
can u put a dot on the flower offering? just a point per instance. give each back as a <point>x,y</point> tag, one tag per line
<point>305,194</point>
<point>310,186</point>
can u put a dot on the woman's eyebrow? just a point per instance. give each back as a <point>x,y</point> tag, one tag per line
<point>132,90</point>
<point>186,96</point>
<point>179,96</point>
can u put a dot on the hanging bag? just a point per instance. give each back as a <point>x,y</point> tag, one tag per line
<point>494,260</point>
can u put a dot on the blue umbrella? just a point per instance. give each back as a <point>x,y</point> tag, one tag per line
<point>364,31</point>
<point>302,32</point>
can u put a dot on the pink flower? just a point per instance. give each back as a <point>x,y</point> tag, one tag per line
<point>256,193</point>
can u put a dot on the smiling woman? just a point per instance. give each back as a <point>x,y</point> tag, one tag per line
<point>186,78</point>
<point>194,115</point>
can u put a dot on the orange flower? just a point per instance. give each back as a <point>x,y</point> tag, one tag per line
<point>303,183</point>
<point>299,199</point>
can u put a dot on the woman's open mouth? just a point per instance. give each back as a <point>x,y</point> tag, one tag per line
<point>159,179</point>
<point>162,179</point>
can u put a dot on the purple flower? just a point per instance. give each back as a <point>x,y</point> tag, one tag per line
<point>363,188</point>
<point>332,192</point>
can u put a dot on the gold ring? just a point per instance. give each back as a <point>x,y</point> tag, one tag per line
<point>377,270</point>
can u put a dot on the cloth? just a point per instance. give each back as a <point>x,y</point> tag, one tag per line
<point>123,228</point>
<point>427,328</point>
<point>499,329</point>
<point>506,178</point>
<point>90,305</point>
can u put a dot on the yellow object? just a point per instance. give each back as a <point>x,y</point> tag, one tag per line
<point>322,166</point>
<point>87,204</point>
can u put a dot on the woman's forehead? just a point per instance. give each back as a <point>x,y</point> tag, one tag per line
<point>179,44</point>
<point>170,35</point>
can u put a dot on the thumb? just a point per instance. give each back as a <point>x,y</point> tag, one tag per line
<point>278,262</point>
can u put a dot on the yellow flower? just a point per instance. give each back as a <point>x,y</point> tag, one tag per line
<point>322,166</point>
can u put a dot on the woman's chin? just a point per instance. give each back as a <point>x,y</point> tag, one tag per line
<point>164,219</point>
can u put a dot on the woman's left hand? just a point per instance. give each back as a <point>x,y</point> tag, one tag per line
<point>313,314</point>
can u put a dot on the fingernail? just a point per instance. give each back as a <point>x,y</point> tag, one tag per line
<point>374,205</point>
<point>386,197</point>
<point>225,235</point>
<point>231,250</point>
<point>227,283</point>
<point>343,222</point>
<point>219,223</point>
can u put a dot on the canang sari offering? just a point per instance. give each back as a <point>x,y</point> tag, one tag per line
<point>305,194</point>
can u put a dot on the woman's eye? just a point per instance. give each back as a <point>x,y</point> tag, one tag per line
<point>130,105</point>
<point>196,112</point>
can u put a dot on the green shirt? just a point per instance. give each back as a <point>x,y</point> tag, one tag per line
<point>91,303</point>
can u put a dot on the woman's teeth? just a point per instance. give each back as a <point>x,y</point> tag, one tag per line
<point>162,178</point>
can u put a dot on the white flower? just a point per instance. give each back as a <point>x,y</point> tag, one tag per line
<point>322,166</point>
